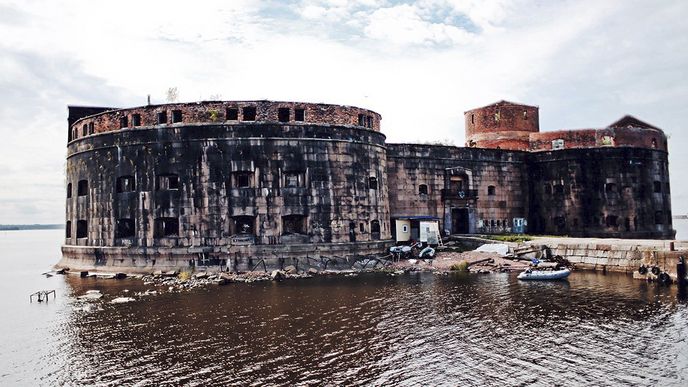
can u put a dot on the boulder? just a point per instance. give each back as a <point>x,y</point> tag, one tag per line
<point>312,271</point>
<point>291,269</point>
<point>276,275</point>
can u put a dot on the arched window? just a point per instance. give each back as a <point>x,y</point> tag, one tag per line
<point>491,190</point>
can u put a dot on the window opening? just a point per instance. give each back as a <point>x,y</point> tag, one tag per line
<point>293,224</point>
<point>249,113</point>
<point>375,230</point>
<point>167,182</point>
<point>162,117</point>
<point>242,225</point>
<point>423,189</point>
<point>81,229</point>
<point>491,190</point>
<point>136,120</point>
<point>82,188</point>
<point>232,114</point>
<point>125,228</point>
<point>69,190</point>
<point>283,114</point>
<point>610,187</point>
<point>68,229</point>
<point>299,115</point>
<point>242,179</point>
<point>372,182</point>
<point>123,122</point>
<point>176,116</point>
<point>125,184</point>
<point>84,130</point>
<point>165,227</point>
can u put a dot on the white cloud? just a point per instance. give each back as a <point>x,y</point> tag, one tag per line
<point>420,64</point>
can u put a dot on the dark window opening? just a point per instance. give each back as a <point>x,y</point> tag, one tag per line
<point>125,228</point>
<point>559,189</point>
<point>472,119</point>
<point>499,223</point>
<point>375,230</point>
<point>166,182</point>
<point>81,229</point>
<point>361,120</point>
<point>612,221</point>
<point>369,122</point>
<point>136,120</point>
<point>123,122</point>
<point>492,223</point>
<point>293,224</point>
<point>84,130</point>
<point>610,187</point>
<point>232,114</point>
<point>82,188</point>
<point>162,118</point>
<point>490,190</point>
<point>423,189</point>
<point>242,179</point>
<point>165,227</point>
<point>361,227</point>
<point>126,184</point>
<point>657,187</point>
<point>249,113</point>
<point>242,225</point>
<point>294,179</point>
<point>68,229</point>
<point>176,116</point>
<point>299,115</point>
<point>69,190</point>
<point>372,182</point>
<point>283,114</point>
<point>91,128</point>
<point>659,217</point>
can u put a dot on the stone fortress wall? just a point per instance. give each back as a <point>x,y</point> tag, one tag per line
<point>244,183</point>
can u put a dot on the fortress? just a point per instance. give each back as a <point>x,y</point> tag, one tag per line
<point>246,184</point>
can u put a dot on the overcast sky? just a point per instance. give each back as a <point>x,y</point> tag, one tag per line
<point>419,64</point>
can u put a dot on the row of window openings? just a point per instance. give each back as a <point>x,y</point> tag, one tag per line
<point>495,223</point>
<point>423,190</point>
<point>171,182</point>
<point>498,116</point>
<point>365,121</point>
<point>612,220</point>
<point>167,227</point>
<point>558,189</point>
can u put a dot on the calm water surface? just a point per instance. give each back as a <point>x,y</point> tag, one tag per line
<point>417,329</point>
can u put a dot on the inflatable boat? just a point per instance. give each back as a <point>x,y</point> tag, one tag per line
<point>531,274</point>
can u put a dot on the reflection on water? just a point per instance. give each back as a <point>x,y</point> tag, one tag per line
<point>417,329</point>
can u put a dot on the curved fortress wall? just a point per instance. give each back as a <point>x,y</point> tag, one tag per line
<point>234,183</point>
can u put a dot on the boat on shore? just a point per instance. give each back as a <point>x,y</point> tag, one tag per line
<point>543,275</point>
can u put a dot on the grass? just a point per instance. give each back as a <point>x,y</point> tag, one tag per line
<point>461,266</point>
<point>518,238</point>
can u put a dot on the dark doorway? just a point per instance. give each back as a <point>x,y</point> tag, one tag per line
<point>459,220</point>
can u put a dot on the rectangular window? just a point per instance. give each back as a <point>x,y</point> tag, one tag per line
<point>491,190</point>
<point>232,114</point>
<point>166,227</point>
<point>81,229</point>
<point>166,182</point>
<point>299,115</point>
<point>242,225</point>
<point>293,224</point>
<point>125,228</point>
<point>249,113</point>
<point>242,179</point>
<point>126,184</point>
<point>283,114</point>
<point>69,190</point>
<point>361,120</point>
<point>68,229</point>
<point>136,120</point>
<point>369,122</point>
<point>162,117</point>
<point>82,188</point>
<point>294,179</point>
<point>91,128</point>
<point>176,116</point>
<point>423,189</point>
<point>372,182</point>
<point>123,122</point>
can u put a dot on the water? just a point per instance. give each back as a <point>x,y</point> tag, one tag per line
<point>416,329</point>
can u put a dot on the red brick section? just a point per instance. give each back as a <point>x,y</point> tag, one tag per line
<point>608,137</point>
<point>502,125</point>
<point>216,111</point>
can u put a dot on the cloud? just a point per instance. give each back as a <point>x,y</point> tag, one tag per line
<point>419,63</point>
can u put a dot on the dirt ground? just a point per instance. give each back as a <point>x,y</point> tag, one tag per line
<point>477,262</point>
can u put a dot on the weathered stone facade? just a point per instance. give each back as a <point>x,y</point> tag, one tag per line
<point>250,182</point>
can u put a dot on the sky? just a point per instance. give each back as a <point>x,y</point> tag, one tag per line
<point>420,64</point>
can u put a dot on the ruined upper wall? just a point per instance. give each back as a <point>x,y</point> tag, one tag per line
<point>222,112</point>
<point>635,137</point>
<point>502,125</point>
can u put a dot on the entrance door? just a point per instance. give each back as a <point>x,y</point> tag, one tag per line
<point>459,220</point>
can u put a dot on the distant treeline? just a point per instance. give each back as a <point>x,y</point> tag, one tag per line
<point>5,227</point>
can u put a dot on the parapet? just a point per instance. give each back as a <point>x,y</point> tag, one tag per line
<point>501,125</point>
<point>84,122</point>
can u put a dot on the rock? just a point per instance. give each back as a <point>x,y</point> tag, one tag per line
<point>121,300</point>
<point>171,273</point>
<point>277,275</point>
<point>157,273</point>
<point>201,275</point>
<point>291,269</point>
<point>312,271</point>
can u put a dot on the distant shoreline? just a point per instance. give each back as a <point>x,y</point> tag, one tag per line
<point>19,227</point>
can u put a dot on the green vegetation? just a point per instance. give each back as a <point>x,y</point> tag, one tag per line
<point>518,238</point>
